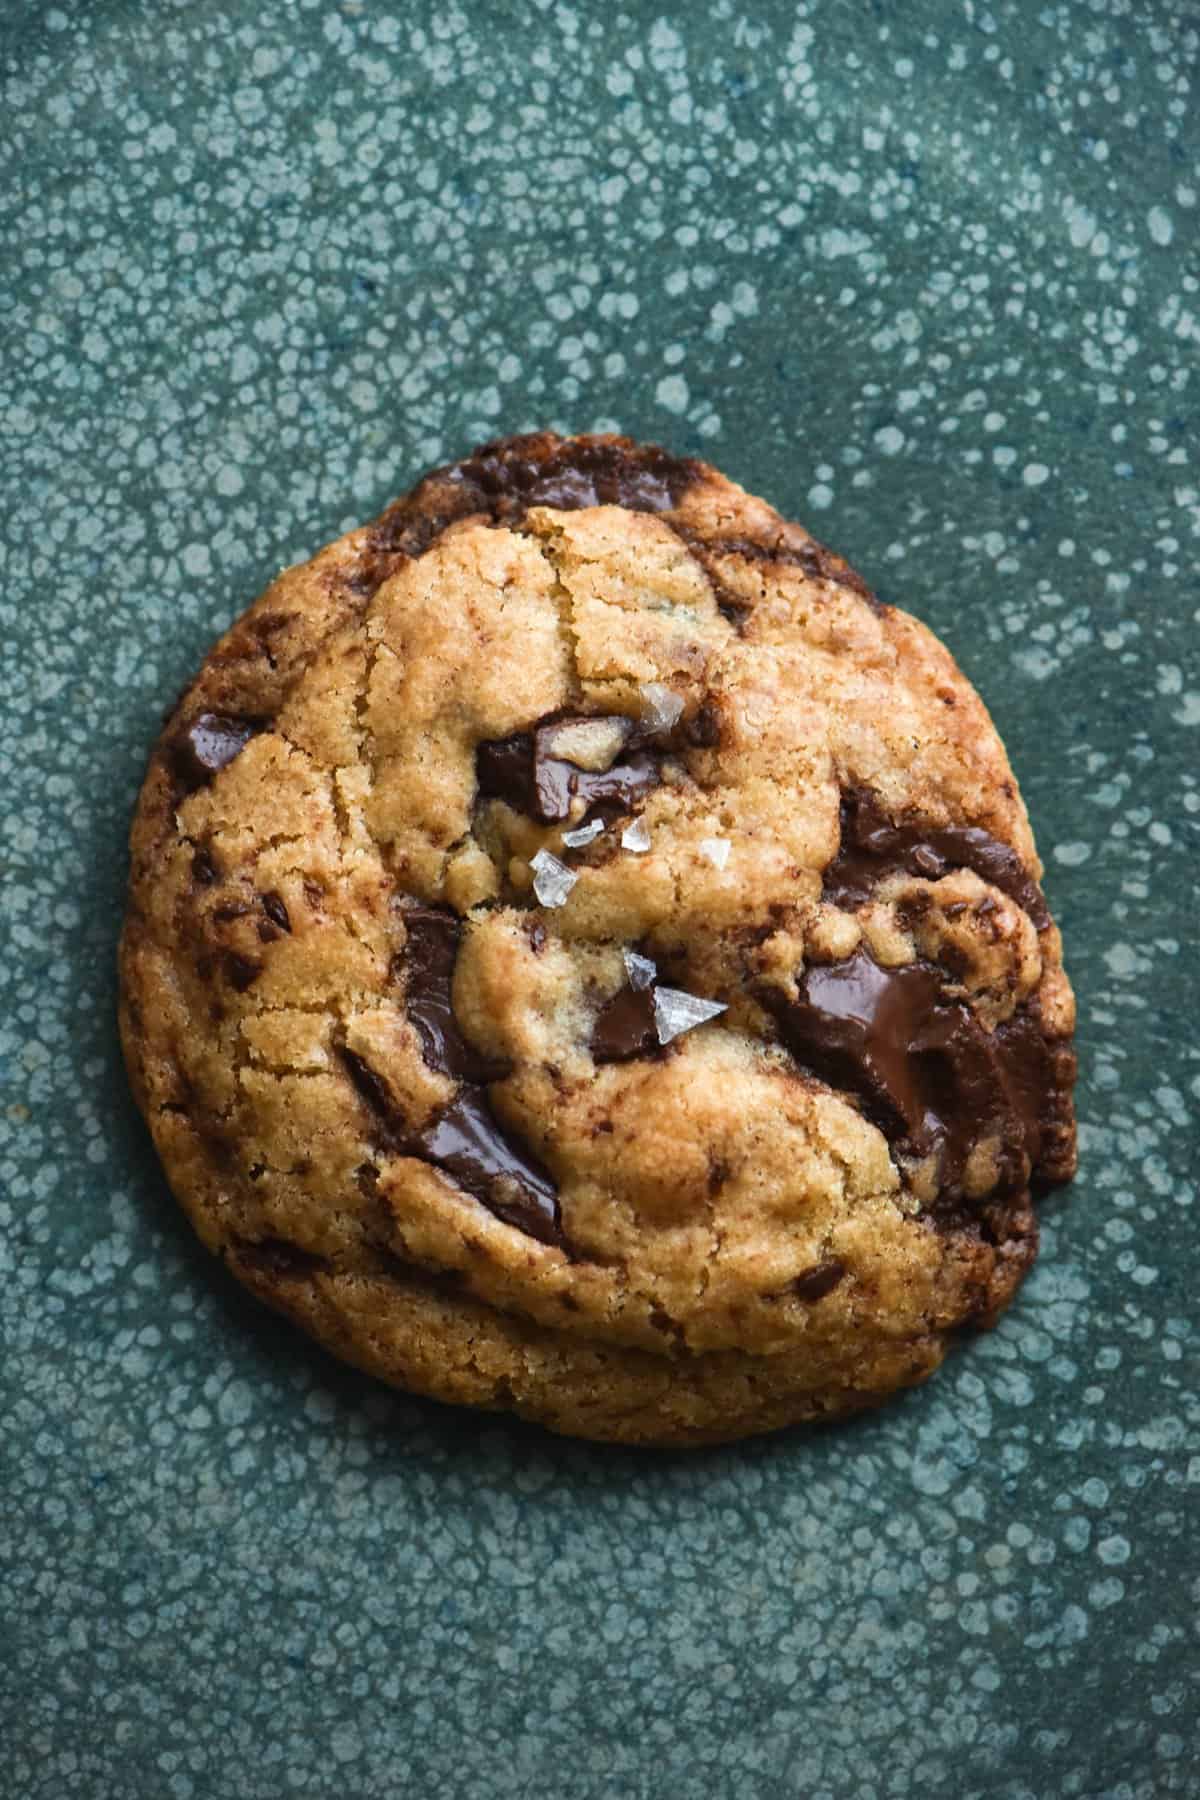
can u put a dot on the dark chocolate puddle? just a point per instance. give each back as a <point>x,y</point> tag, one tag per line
<point>926,1070</point>
<point>523,770</point>
<point>464,1138</point>
<point>872,846</point>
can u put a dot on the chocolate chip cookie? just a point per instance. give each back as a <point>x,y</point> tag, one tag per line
<point>585,957</point>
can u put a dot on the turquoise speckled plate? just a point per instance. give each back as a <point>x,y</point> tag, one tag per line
<point>925,275</point>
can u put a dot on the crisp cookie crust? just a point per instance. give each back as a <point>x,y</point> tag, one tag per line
<point>584,956</point>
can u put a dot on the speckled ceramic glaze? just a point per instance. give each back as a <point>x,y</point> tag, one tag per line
<point>924,275</point>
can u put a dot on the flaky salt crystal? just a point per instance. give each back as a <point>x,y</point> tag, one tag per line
<point>641,971</point>
<point>552,880</point>
<point>660,706</point>
<point>716,850</point>
<point>636,837</point>
<point>676,1012</point>
<point>584,834</point>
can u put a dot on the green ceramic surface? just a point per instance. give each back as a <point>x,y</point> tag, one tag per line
<point>925,275</point>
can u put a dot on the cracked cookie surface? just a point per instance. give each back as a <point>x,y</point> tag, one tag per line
<point>585,957</point>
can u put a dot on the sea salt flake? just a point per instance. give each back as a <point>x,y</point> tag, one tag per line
<point>641,971</point>
<point>660,706</point>
<point>552,880</point>
<point>636,837</point>
<point>676,1012</point>
<point>716,850</point>
<point>584,834</point>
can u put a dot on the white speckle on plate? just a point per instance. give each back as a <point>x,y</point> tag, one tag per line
<point>672,393</point>
<point>1162,228</point>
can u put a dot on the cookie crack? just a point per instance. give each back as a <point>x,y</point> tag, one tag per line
<point>366,735</point>
<point>547,545</point>
<point>710,1262</point>
<point>280,1071</point>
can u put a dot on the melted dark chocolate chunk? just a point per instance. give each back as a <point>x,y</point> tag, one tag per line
<point>927,1072</point>
<point>873,846</point>
<point>625,1026</point>
<point>208,744</point>
<point>1041,1074</point>
<point>567,475</point>
<point>467,1140</point>
<point>275,909</point>
<point>501,481</point>
<point>430,953</point>
<point>505,769</point>
<point>820,1280</point>
<point>606,793</point>
<point>521,770</point>
<point>204,868</point>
